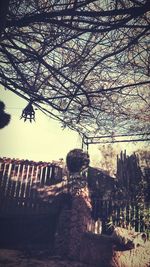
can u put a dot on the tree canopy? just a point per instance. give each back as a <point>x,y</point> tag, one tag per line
<point>82,62</point>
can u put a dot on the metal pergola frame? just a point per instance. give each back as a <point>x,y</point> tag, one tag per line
<point>109,139</point>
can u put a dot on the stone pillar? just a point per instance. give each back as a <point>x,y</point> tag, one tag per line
<point>62,236</point>
<point>80,212</point>
<point>73,222</point>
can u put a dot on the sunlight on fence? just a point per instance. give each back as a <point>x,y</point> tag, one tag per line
<point>127,214</point>
<point>19,181</point>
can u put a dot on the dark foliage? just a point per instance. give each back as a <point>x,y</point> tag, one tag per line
<point>4,117</point>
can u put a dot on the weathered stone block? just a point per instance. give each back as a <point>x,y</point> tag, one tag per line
<point>100,251</point>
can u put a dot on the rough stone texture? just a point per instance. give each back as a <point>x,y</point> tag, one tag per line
<point>101,251</point>
<point>62,235</point>
<point>80,216</point>
<point>96,250</point>
<point>128,238</point>
<point>74,242</point>
<point>138,257</point>
<point>72,224</point>
<point>91,255</point>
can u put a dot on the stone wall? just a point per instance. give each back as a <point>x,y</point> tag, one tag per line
<point>74,222</point>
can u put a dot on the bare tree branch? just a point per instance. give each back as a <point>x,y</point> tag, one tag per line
<point>84,63</point>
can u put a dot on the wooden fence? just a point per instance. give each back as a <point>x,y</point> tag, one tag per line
<point>123,213</point>
<point>128,170</point>
<point>19,183</point>
<point>21,206</point>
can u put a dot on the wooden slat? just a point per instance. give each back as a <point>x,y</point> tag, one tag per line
<point>20,180</point>
<point>18,186</point>
<point>42,175</point>
<point>28,185</point>
<point>5,177</point>
<point>8,179</point>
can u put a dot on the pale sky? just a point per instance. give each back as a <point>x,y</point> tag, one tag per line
<point>43,140</point>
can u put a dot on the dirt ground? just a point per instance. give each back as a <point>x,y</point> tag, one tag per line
<point>42,258</point>
<point>16,258</point>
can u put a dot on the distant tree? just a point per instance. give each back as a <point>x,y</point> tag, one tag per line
<point>144,156</point>
<point>133,176</point>
<point>108,159</point>
<point>82,62</point>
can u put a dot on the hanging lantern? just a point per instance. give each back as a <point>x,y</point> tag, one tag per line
<point>28,113</point>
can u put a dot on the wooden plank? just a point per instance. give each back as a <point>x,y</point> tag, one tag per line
<point>9,181</point>
<point>14,180</point>
<point>22,186</point>
<point>52,172</point>
<point>33,188</point>
<point>42,175</point>
<point>2,173</point>
<point>28,187</point>
<point>4,177</point>
<point>21,191</point>
<point>18,185</point>
<point>49,174</point>
<point>27,181</point>
<point>37,179</point>
<point>32,176</point>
